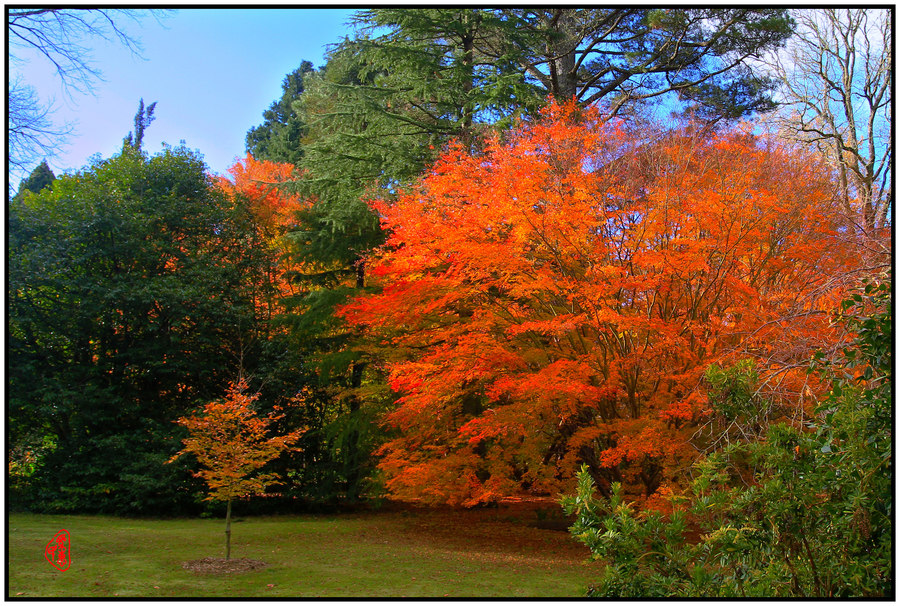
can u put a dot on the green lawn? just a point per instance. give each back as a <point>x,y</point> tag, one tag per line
<point>418,553</point>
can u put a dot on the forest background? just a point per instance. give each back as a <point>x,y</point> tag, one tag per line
<point>467,260</point>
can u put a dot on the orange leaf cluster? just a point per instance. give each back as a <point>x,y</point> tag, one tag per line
<point>231,443</point>
<point>556,298</point>
<point>258,183</point>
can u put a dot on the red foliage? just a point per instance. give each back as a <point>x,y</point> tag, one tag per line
<point>556,298</point>
<point>259,181</point>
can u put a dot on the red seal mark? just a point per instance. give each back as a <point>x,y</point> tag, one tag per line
<point>57,551</point>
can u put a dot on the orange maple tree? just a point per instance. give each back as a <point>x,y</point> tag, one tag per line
<point>554,300</point>
<point>260,180</point>
<point>272,212</point>
<point>231,443</point>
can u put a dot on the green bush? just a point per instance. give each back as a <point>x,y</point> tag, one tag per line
<point>815,519</point>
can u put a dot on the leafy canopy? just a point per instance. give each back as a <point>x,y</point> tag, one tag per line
<point>555,300</point>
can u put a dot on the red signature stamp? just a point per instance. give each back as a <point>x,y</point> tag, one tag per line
<point>57,551</point>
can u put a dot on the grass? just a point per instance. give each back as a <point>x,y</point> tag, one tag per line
<point>408,553</point>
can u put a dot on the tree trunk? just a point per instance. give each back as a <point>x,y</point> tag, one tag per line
<point>228,530</point>
<point>352,462</point>
<point>351,458</point>
<point>468,84</point>
<point>561,52</point>
<point>360,273</point>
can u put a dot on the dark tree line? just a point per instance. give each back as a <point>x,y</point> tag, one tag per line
<point>132,282</point>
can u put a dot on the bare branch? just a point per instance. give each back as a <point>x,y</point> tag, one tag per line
<point>32,135</point>
<point>61,37</point>
<point>836,83</point>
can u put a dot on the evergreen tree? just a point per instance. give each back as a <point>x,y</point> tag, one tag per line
<point>279,137</point>
<point>40,178</point>
<point>413,79</point>
<point>627,56</point>
<point>142,120</point>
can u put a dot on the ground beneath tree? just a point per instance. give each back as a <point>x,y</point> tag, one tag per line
<point>532,530</point>
<point>223,566</point>
<point>529,531</point>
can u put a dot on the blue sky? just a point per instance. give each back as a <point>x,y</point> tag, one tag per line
<point>212,72</point>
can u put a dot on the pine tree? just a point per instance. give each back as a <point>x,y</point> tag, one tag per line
<point>279,137</point>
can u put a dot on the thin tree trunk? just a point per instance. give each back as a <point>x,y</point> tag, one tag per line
<point>352,462</point>
<point>228,530</point>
